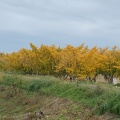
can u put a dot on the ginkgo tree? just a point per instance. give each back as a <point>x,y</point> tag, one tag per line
<point>2,61</point>
<point>67,61</point>
<point>110,64</point>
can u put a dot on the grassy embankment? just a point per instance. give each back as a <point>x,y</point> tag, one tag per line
<point>58,99</point>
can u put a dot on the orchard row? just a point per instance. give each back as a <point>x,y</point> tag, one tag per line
<point>75,61</point>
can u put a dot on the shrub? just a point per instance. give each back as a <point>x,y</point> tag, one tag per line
<point>111,104</point>
<point>95,91</point>
<point>38,84</point>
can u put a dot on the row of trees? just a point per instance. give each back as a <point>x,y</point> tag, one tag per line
<point>75,61</point>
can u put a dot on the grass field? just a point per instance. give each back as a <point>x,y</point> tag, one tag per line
<point>58,99</point>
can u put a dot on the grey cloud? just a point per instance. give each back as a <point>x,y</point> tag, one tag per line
<point>61,21</point>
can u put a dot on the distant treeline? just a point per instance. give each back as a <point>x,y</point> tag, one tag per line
<point>74,61</point>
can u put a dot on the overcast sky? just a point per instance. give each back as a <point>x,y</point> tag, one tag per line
<point>59,22</point>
